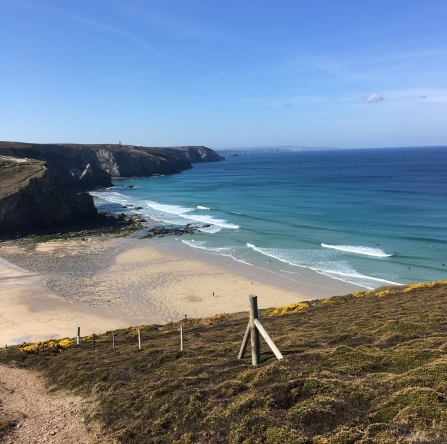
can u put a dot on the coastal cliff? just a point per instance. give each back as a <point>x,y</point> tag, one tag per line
<point>31,197</point>
<point>196,154</point>
<point>86,167</point>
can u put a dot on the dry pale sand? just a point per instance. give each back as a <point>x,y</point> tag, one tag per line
<point>102,284</point>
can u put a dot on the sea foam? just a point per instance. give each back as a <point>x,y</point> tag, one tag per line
<point>186,213</point>
<point>375,252</point>
<point>323,262</point>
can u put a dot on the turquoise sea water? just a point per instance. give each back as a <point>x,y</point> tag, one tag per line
<point>368,217</point>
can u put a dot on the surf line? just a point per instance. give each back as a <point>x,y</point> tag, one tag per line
<point>271,271</point>
<point>367,251</point>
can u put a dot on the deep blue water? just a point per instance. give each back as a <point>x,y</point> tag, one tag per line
<point>369,217</point>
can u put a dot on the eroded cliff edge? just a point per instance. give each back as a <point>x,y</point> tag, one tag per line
<point>31,197</point>
<point>86,167</point>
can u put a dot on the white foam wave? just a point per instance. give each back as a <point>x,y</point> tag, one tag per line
<point>173,209</point>
<point>185,213</point>
<point>200,207</point>
<point>201,246</point>
<point>210,220</point>
<point>323,262</point>
<point>211,230</point>
<point>375,252</point>
<point>111,196</point>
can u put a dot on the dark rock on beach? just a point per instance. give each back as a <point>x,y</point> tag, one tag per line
<point>162,231</point>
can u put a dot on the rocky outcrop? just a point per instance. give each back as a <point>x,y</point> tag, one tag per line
<point>140,161</point>
<point>85,167</point>
<point>32,197</point>
<point>196,154</point>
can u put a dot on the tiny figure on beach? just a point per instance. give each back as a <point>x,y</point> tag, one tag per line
<point>186,317</point>
<point>213,293</point>
<point>251,282</point>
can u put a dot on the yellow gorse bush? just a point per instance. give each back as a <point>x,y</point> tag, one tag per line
<point>288,309</point>
<point>52,345</point>
<point>423,285</point>
<point>294,308</point>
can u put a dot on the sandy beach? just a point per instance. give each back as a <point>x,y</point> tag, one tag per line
<point>105,283</point>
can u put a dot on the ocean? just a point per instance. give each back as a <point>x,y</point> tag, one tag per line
<point>370,217</point>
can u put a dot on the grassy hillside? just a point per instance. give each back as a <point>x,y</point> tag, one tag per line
<point>363,368</point>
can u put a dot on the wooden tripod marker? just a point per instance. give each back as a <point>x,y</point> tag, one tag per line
<point>253,329</point>
<point>181,337</point>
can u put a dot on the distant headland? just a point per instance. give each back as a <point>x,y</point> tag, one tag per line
<point>270,149</point>
<point>41,182</point>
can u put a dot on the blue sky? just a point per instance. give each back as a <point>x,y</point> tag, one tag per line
<point>231,73</point>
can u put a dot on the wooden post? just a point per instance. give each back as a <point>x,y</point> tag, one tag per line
<point>254,333</point>
<point>78,339</point>
<point>181,337</point>
<point>268,339</point>
<point>94,341</point>
<point>139,339</point>
<point>113,340</point>
<point>253,329</point>
<point>244,343</point>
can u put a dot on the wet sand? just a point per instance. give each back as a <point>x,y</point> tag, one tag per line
<point>100,284</point>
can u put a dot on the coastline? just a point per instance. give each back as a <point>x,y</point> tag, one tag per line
<point>105,283</point>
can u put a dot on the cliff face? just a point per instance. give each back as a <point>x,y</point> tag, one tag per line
<point>85,167</point>
<point>32,197</point>
<point>196,154</point>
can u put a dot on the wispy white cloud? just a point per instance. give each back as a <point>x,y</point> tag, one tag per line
<point>373,98</point>
<point>94,24</point>
<point>417,94</point>
<point>363,65</point>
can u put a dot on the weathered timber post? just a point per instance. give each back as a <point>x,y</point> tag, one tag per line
<point>78,338</point>
<point>244,343</point>
<point>113,339</point>
<point>253,329</point>
<point>254,333</point>
<point>268,339</point>
<point>94,341</point>
<point>139,339</point>
<point>181,337</point>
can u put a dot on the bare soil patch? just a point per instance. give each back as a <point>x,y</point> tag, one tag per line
<point>29,413</point>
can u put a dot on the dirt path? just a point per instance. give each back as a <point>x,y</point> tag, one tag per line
<point>41,417</point>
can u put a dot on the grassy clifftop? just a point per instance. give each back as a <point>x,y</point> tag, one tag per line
<point>363,368</point>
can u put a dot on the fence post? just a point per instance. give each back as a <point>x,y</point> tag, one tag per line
<point>253,329</point>
<point>244,342</point>
<point>78,338</point>
<point>255,345</point>
<point>181,337</point>
<point>94,341</point>
<point>113,339</point>
<point>139,339</point>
